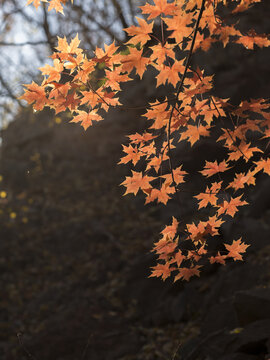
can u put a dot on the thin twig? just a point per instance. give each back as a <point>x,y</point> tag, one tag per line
<point>178,93</point>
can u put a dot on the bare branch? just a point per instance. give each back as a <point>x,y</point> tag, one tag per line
<point>32,43</point>
<point>9,91</point>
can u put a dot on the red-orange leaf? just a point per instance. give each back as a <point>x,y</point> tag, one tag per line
<point>194,132</point>
<point>136,182</point>
<point>236,248</point>
<point>161,270</point>
<point>140,34</point>
<point>36,94</point>
<point>86,118</point>
<point>212,168</point>
<point>187,273</point>
<point>160,7</point>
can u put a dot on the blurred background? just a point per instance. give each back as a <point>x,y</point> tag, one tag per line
<point>75,255</point>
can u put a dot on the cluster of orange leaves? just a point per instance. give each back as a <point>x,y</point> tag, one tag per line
<point>186,115</point>
<point>57,5</point>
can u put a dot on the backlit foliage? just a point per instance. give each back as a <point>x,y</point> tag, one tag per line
<point>188,114</point>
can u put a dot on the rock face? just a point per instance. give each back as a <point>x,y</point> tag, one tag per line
<point>251,305</point>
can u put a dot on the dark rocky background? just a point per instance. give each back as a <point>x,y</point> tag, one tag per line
<point>75,254</point>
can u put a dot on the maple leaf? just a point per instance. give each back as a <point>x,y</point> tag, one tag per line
<point>71,48</point>
<point>150,150</point>
<point>169,74</point>
<point>155,162</point>
<point>187,273</point>
<point>244,5</point>
<point>86,118</point>
<point>225,32</point>
<point>209,113</point>
<point>161,52</point>
<point>114,78</point>
<point>254,105</point>
<point>132,155</point>
<point>194,132</point>
<point>159,113</point>
<point>254,39</point>
<point>140,34</point>
<point>161,270</point>
<point>178,175</point>
<point>199,232</point>
<point>263,164</point>
<point>231,207</point>
<point>138,138</point>
<point>35,94</point>
<point>135,60</point>
<point>236,248</point>
<point>203,43</point>
<point>243,150</point>
<point>56,5</point>
<point>178,257</point>
<point>171,230</point>
<point>209,196</point>
<point>165,246</point>
<point>161,195</point>
<point>213,224</point>
<point>160,7</point>
<point>85,69</point>
<point>218,259</point>
<point>178,24</point>
<point>242,179</point>
<point>36,3</point>
<point>54,72</point>
<point>212,168</point>
<point>136,182</point>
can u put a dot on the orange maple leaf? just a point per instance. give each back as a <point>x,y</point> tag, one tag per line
<point>231,207</point>
<point>54,72</point>
<point>86,118</point>
<point>178,175</point>
<point>160,7</point>
<point>243,150</point>
<point>254,39</point>
<point>161,195</point>
<point>71,48</point>
<point>236,248</point>
<point>171,230</point>
<point>209,196</point>
<point>56,5</point>
<point>133,154</point>
<point>194,132</point>
<point>136,182</point>
<point>35,94</point>
<point>178,24</point>
<point>140,34</point>
<point>135,60</point>
<point>218,259</point>
<point>186,273</point>
<point>178,258</point>
<point>161,52</point>
<point>138,138</point>
<point>159,113</point>
<point>242,179</point>
<point>36,3</point>
<point>165,246</point>
<point>114,78</point>
<point>263,164</point>
<point>212,168</point>
<point>161,270</point>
